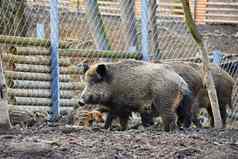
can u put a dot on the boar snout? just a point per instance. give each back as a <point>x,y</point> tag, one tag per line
<point>85,99</point>
<point>81,102</point>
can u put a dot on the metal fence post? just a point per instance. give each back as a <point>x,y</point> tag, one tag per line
<point>217,56</point>
<point>40,32</point>
<point>144,30</point>
<point>55,89</point>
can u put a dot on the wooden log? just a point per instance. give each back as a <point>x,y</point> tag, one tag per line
<point>207,76</point>
<point>31,68</point>
<point>34,76</point>
<point>95,53</point>
<point>76,53</point>
<point>40,93</point>
<point>22,84</point>
<point>42,101</point>
<point>43,69</point>
<point>16,50</point>
<point>32,108</point>
<point>26,41</point>
<point>35,60</point>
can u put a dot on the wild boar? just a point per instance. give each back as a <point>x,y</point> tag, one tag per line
<point>224,85</point>
<point>192,74</point>
<point>86,118</point>
<point>124,89</point>
<point>194,81</point>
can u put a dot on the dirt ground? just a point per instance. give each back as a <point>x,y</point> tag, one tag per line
<point>67,142</point>
<point>222,37</point>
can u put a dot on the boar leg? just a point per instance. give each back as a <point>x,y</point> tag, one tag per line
<point>109,119</point>
<point>166,106</point>
<point>169,121</point>
<point>223,112</point>
<point>124,121</point>
<point>184,111</point>
<point>195,111</point>
<point>147,119</point>
<point>167,114</point>
<point>123,118</point>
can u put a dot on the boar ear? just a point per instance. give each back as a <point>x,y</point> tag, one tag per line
<point>101,70</point>
<point>82,68</point>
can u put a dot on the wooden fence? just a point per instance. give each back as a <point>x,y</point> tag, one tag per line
<point>204,11</point>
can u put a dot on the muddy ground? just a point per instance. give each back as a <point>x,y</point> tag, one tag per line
<point>67,142</point>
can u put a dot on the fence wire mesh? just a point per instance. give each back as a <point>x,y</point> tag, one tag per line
<point>91,30</point>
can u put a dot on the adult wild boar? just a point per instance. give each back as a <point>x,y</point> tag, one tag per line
<point>193,78</point>
<point>224,85</point>
<point>192,73</point>
<point>124,89</point>
<point>147,119</point>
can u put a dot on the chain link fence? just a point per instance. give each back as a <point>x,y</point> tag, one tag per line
<point>91,30</point>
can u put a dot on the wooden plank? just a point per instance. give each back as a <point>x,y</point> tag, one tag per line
<point>223,3</point>
<point>170,10</point>
<point>221,21</point>
<point>174,16</point>
<point>108,3</point>
<point>222,15</point>
<point>112,9</point>
<point>162,4</point>
<point>200,13</point>
<point>222,9</point>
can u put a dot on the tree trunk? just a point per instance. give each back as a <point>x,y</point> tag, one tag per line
<point>207,76</point>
